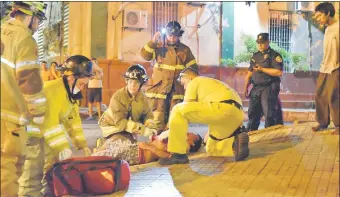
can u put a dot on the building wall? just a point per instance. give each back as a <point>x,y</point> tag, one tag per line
<point>126,44</point>
<point>204,41</point>
<point>80,28</point>
<point>98,29</point>
<point>249,20</point>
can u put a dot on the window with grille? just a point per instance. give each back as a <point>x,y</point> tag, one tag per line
<point>40,42</point>
<point>280,28</point>
<point>280,31</point>
<point>163,12</point>
<point>65,24</point>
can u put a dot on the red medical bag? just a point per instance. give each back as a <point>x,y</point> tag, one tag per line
<point>94,175</point>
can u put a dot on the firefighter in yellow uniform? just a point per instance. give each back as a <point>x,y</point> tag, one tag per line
<point>62,115</point>
<point>128,113</point>
<point>171,57</point>
<point>212,102</point>
<point>22,99</point>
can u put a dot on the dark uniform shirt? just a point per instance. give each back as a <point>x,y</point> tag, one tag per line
<point>266,59</point>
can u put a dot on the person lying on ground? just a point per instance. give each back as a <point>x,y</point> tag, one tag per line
<point>135,152</point>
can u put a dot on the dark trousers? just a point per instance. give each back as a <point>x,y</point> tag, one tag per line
<point>264,101</point>
<point>327,98</point>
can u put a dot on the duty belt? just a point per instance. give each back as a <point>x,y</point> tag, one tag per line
<point>232,102</point>
<point>236,132</point>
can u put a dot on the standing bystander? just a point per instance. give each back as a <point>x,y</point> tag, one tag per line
<point>45,72</point>
<point>327,85</point>
<point>264,73</point>
<point>95,89</point>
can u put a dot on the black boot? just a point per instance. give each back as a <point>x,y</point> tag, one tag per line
<point>240,146</point>
<point>174,159</point>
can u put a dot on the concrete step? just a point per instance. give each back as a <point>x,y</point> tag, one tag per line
<point>291,115</point>
<point>289,96</point>
<point>291,104</point>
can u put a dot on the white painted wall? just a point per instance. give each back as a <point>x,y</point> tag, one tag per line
<point>126,44</point>
<point>203,42</point>
<point>249,20</point>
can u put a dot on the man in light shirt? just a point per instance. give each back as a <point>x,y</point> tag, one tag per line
<point>327,86</point>
<point>95,89</point>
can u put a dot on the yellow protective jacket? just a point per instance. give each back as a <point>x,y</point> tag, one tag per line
<point>21,55</point>
<point>61,116</point>
<point>115,118</point>
<point>13,106</point>
<point>166,69</point>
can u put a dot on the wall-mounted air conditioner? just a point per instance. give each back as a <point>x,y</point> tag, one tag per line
<point>135,19</point>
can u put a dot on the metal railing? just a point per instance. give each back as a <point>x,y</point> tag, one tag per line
<point>163,12</point>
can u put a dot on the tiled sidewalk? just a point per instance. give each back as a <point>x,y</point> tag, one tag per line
<point>287,161</point>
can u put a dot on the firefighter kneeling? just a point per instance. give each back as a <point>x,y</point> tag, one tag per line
<point>50,144</point>
<point>212,102</point>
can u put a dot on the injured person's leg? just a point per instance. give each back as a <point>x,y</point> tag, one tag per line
<point>120,149</point>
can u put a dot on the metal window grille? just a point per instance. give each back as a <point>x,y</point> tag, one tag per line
<point>280,31</point>
<point>40,42</point>
<point>65,25</point>
<point>163,12</point>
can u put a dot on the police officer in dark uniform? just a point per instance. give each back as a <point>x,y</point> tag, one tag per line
<point>264,73</point>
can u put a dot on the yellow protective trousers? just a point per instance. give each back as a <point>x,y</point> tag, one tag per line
<point>39,159</point>
<point>222,119</point>
<point>13,145</point>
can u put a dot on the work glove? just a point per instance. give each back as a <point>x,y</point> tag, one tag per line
<point>39,120</point>
<point>87,151</point>
<point>149,132</point>
<point>163,135</point>
<point>65,154</point>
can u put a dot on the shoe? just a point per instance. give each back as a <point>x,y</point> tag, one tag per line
<point>319,128</point>
<point>336,131</point>
<point>240,146</point>
<point>174,159</point>
<point>89,118</point>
